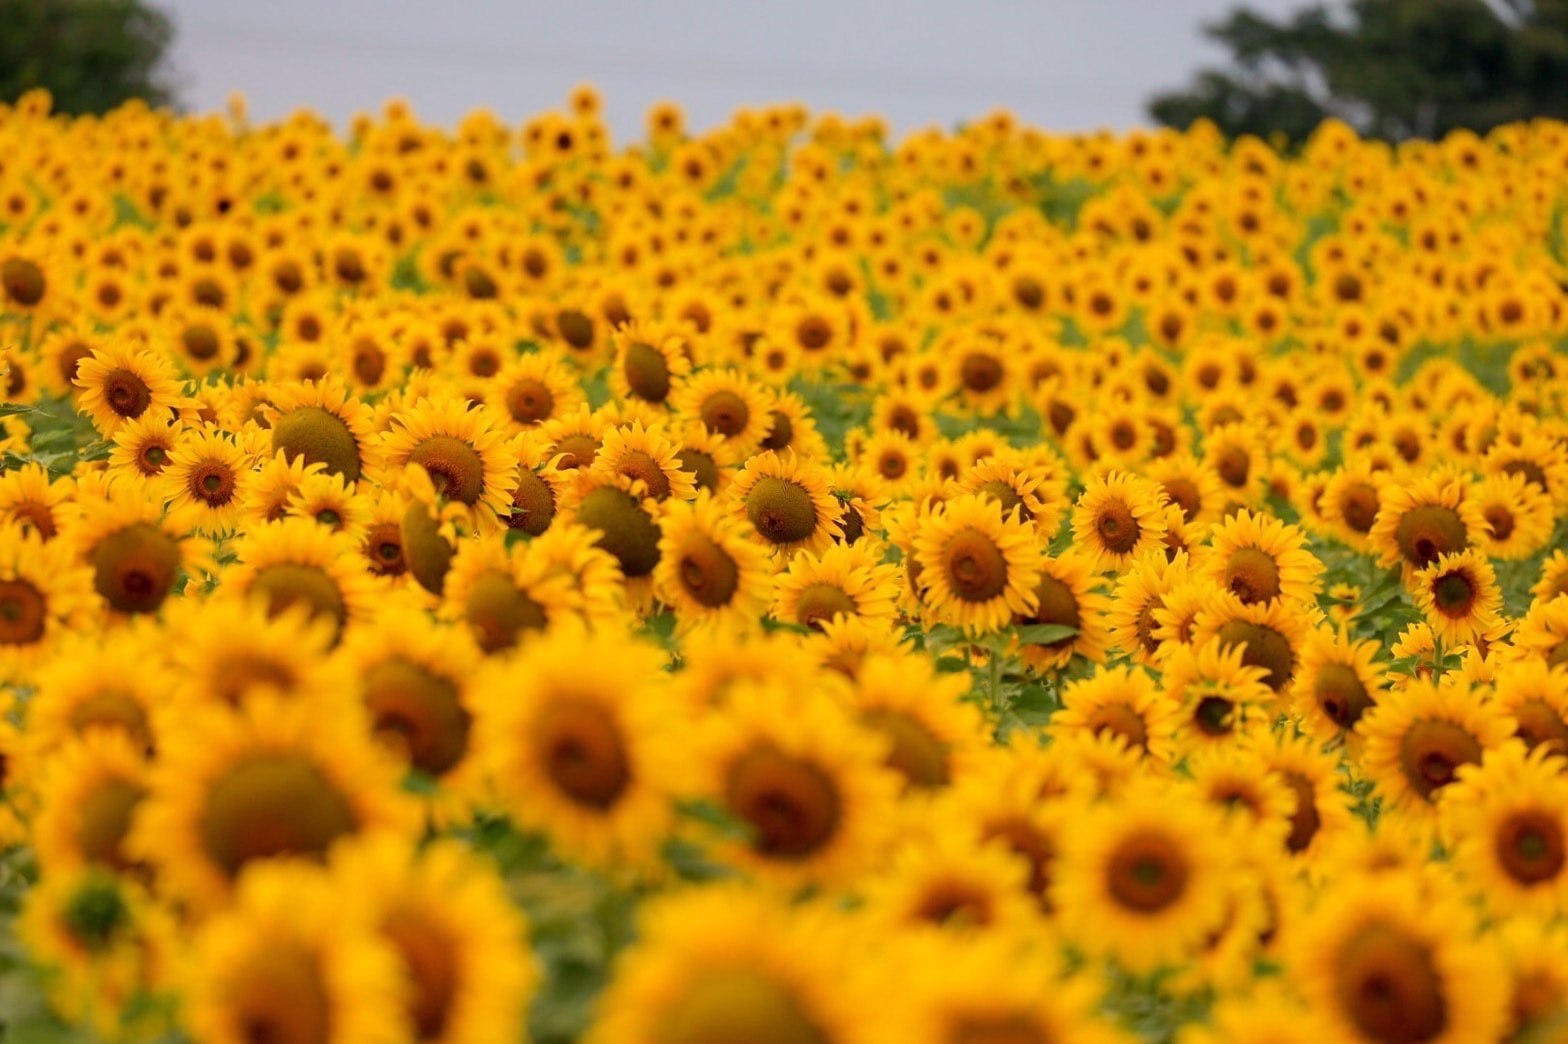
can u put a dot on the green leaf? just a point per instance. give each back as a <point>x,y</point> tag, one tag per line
<point>716,818</point>
<point>1043,634</point>
<point>13,409</point>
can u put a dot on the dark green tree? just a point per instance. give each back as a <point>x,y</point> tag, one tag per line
<point>91,54</point>
<point>1393,69</point>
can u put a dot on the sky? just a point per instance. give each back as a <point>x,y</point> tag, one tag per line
<point>1061,64</point>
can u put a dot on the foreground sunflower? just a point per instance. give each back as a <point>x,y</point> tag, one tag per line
<point>787,501</point>
<point>297,562</point>
<point>976,570</point>
<point>712,571</point>
<point>461,449</point>
<point>1118,519</point>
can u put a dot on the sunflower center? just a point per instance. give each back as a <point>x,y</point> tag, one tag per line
<point>288,584</point>
<point>707,573</point>
<point>384,548</point>
<point>418,714</point>
<point>1529,846</point>
<point>976,568</point>
<point>640,467</point>
<point>820,603</point>
<point>530,401</point>
<point>1007,497</point>
<point>954,902</point>
<point>212,482</point>
<point>1215,716</point>
<point>1147,873</point>
<point>127,394</point>
<point>135,567</point>
<point>782,432</point>
<point>791,804</point>
<point>533,505</point>
<point>152,458</point>
<point>725,413</point>
<point>996,1029</point>
<point>730,1004</point>
<point>1432,751</point>
<point>1454,594</point>
<point>279,997</point>
<point>1499,522</point>
<point>1117,527</point>
<point>781,511</point>
<point>103,818</point>
<point>981,372</point>
<point>1341,695</point>
<point>1233,465</point>
<point>319,436</point>
<point>1184,494</point>
<point>625,530</point>
<point>576,329</point>
<point>1531,471</point>
<point>646,371</point>
<point>23,280</point>
<point>1540,723</point>
<point>1252,575</point>
<point>1428,532</point>
<point>23,613</point>
<point>702,467</point>
<point>431,961</point>
<point>1058,605</point>
<point>268,805</point>
<point>853,525</point>
<point>115,711</point>
<point>580,748</point>
<point>1305,820</point>
<point>575,451</point>
<point>456,469</point>
<point>1264,647</point>
<point>813,333</point>
<point>1388,984</point>
<point>1122,720</point>
<point>916,753</point>
<point>498,612</point>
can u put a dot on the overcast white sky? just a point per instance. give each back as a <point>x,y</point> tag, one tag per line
<point>1063,64</point>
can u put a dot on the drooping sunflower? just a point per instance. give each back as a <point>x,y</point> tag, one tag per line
<point>121,382</point>
<point>1259,558</point>
<point>847,579</point>
<point>715,575</point>
<point>1143,879</point>
<point>297,562</point>
<point>1390,961</point>
<point>976,569</point>
<point>464,453</point>
<point>576,738</point>
<point>1458,595</point>
<point>1118,519</point>
<point>787,502</point>
<point>45,594</point>
<point>1338,681</point>
<point>1423,519</point>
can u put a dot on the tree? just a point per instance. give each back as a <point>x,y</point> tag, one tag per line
<point>91,54</point>
<point>1394,69</point>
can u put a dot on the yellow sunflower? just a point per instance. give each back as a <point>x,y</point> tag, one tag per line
<point>532,389</point>
<point>465,455</point>
<point>95,683</point>
<point>713,573</point>
<point>121,382</point>
<point>1220,698</point>
<point>1507,824</point>
<point>1338,681</point>
<point>1543,632</point>
<point>1271,632</point>
<point>1259,558</point>
<point>35,501</point>
<point>90,790</point>
<point>650,360</point>
<point>1458,595</point>
<point>935,737</point>
<point>1536,697</point>
<point>846,579</point>
<point>207,473</point>
<point>45,594</point>
<point>787,502</point>
<point>1066,596</point>
<point>646,456</point>
<point>143,446</point>
<point>976,569</point>
<point>1118,519</point>
<point>297,562</point>
<point>1517,513</point>
<point>1423,519</point>
<point>728,404</point>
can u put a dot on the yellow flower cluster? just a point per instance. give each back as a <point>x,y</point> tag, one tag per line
<point>459,585</point>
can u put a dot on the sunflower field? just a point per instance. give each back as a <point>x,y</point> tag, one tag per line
<point>779,584</point>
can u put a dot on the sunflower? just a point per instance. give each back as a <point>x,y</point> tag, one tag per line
<point>728,404</point>
<point>1554,579</point>
<point>1517,513</point>
<point>976,570</point>
<point>144,446</point>
<point>86,800</point>
<point>713,573</point>
<point>1458,595</point>
<point>787,502</point>
<point>35,501</point>
<point>1233,451</point>
<point>1507,819</point>
<point>1143,879</point>
<point>502,593</point>
<point>1350,503</point>
<point>273,780</point>
<point>461,942</point>
<point>45,594</point>
<point>1259,558</point>
<point>297,562</point>
<point>333,502</point>
<point>949,883</point>
<point>1124,701</point>
<point>808,781</point>
<point>1236,780</point>
<point>846,579</point>
<point>1066,596</point>
<point>1220,698</point>
<point>1118,519</point>
<point>290,959</point>
<point>206,472</point>
<point>1536,954</point>
<point>1418,736</point>
<point>98,683</point>
<point>121,382</point>
<point>650,360</point>
<point>323,423</point>
<point>1190,484</point>
<point>1536,697</point>
<point>1271,633</point>
<point>791,427</point>
<point>728,962</point>
<point>1038,491</point>
<point>646,456</point>
<point>1536,455</point>
<point>1140,593</point>
<point>1322,812</point>
<point>1389,961</point>
<point>577,741</point>
<point>1419,521</point>
<point>1543,632</point>
<point>464,454</point>
<point>534,388</point>
<point>934,736</point>
<point>627,525</point>
<point>1337,682</point>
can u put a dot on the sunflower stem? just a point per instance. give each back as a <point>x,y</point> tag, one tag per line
<point>994,676</point>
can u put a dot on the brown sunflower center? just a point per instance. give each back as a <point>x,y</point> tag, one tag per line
<point>976,568</point>
<point>1432,751</point>
<point>1388,985</point>
<point>431,961</point>
<point>456,469</point>
<point>641,467</point>
<point>702,467</point>
<point>580,747</point>
<point>1214,716</point>
<point>530,401</point>
<point>1428,532</point>
<point>996,1029</point>
<point>127,394</point>
<point>212,483</point>
<point>646,371</point>
<point>23,280</point>
<point>1026,840</point>
<point>417,713</point>
<point>425,551</point>
<point>279,996</point>
<point>1454,594</point>
<point>103,818</point>
<point>707,573</point>
<point>781,511</point>
<point>737,1004</point>
<point>781,433</point>
<point>625,530</point>
<point>813,333</point>
<point>1234,466</point>
<point>1058,605</point>
<point>498,612</point>
<point>319,436</point>
<point>1117,527</point>
<point>1252,575</point>
<point>1185,495</point>
<point>1540,723</point>
<point>384,548</point>
<point>1007,497</point>
<point>916,754</point>
<point>1529,846</point>
<point>286,584</point>
<point>1122,720</point>
<point>1500,522</point>
<point>1305,820</point>
<point>792,805</point>
<point>533,504</point>
<point>272,804</point>
<point>115,711</point>
<point>725,413</point>
<point>820,603</point>
<point>1341,695</point>
<point>981,372</point>
<point>575,451</point>
<point>23,612</point>
<point>576,329</point>
<point>1147,873</point>
<point>152,458</point>
<point>1263,647</point>
<point>135,568</point>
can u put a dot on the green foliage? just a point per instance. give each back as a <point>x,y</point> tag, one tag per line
<point>1393,69</point>
<point>92,55</point>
